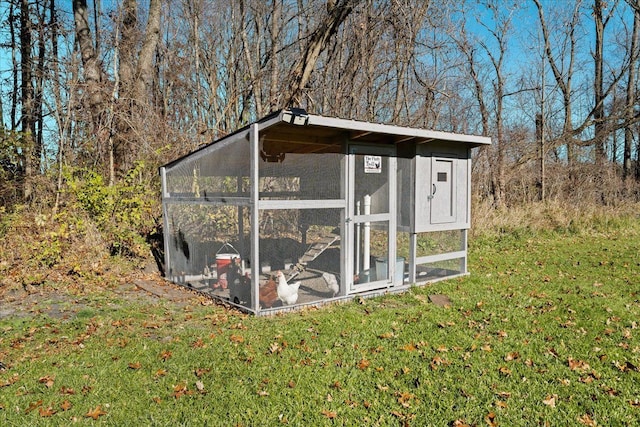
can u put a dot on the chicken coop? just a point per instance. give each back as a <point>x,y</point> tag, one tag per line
<point>299,209</point>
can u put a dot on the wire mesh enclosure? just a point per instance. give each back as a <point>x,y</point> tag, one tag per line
<point>298,210</point>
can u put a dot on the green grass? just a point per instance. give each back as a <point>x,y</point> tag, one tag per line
<point>543,332</point>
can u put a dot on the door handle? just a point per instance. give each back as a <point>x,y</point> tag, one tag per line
<point>433,193</point>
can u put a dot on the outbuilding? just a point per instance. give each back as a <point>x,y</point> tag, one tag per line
<point>335,208</point>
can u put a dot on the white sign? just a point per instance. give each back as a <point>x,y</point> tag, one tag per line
<point>372,164</point>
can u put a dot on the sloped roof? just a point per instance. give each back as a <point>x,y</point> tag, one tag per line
<point>316,134</point>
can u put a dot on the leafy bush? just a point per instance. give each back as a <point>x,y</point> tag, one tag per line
<point>123,212</point>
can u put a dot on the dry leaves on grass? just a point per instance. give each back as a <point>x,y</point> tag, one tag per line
<point>550,401</point>
<point>66,405</point>
<point>46,412</point>
<point>577,365</point>
<point>47,380</point>
<point>329,414</point>
<point>587,420</point>
<point>95,413</point>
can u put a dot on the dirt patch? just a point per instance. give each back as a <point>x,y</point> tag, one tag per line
<point>22,302</point>
<point>165,290</point>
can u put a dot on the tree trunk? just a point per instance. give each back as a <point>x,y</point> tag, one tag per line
<point>28,122</point>
<point>631,99</point>
<point>145,69</point>
<point>318,41</point>
<point>135,72</point>
<point>276,18</point>
<point>563,79</point>
<point>598,84</point>
<point>92,73</point>
<point>39,90</point>
<point>16,67</point>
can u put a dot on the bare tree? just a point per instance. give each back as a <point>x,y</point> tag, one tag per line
<point>631,98</point>
<point>562,67</point>
<point>28,120</point>
<point>301,73</point>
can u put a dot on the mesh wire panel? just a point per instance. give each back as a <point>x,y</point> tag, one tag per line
<point>301,177</point>
<point>432,271</point>
<point>209,248</point>
<point>221,170</point>
<point>438,242</point>
<point>405,192</point>
<point>304,244</point>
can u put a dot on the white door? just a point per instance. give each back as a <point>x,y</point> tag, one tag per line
<point>443,207</point>
<point>370,230</point>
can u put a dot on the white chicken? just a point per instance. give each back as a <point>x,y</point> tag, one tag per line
<point>287,293</point>
<point>332,283</point>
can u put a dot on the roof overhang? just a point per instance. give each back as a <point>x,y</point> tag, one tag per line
<point>296,131</point>
<point>296,127</point>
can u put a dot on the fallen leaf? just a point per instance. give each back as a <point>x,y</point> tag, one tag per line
<point>587,420</point>
<point>201,371</point>
<point>160,373</point>
<point>550,401</point>
<point>514,355</point>
<point>410,347</point>
<point>490,419</point>
<point>626,366</point>
<point>32,406</point>
<point>363,364</point>
<point>11,380</point>
<point>165,355</point>
<point>135,365</point>
<point>95,413</point>
<point>179,390</point>
<point>48,412</point>
<point>47,380</point>
<point>274,348</point>
<point>501,404</point>
<point>404,398</point>
<point>386,336</point>
<point>329,414</point>
<point>66,405</point>
<point>236,339</point>
<point>505,371</point>
<point>577,365</point>
<point>351,403</point>
<point>67,390</point>
<point>263,393</point>
<point>200,386</point>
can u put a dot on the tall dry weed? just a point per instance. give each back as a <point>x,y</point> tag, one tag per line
<point>553,216</point>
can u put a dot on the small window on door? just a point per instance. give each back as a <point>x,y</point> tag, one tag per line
<point>442,177</point>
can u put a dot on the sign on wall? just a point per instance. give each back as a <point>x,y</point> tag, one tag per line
<point>372,164</point>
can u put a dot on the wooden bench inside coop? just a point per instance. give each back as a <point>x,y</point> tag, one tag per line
<point>299,209</point>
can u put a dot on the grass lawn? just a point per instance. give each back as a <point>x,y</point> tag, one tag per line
<point>543,332</point>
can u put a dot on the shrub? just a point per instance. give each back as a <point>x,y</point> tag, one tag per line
<point>123,212</point>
